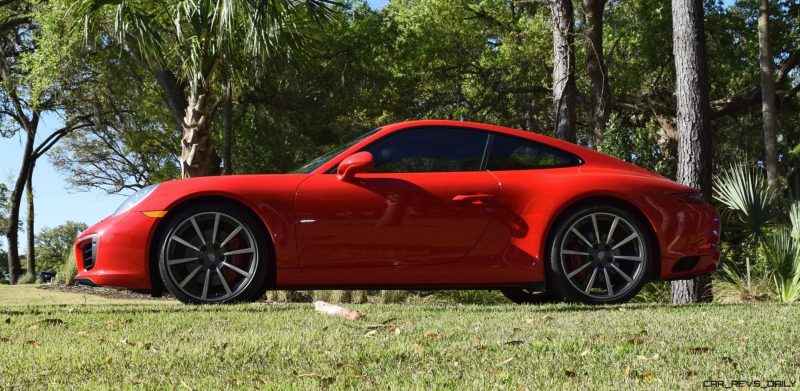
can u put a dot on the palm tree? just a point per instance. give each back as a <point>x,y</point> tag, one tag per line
<point>191,44</point>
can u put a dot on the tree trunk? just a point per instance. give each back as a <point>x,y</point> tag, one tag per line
<point>227,132</point>
<point>29,228</point>
<point>196,141</point>
<point>693,122</point>
<point>14,203</point>
<point>174,97</point>
<point>596,68</point>
<point>694,290</point>
<point>564,92</point>
<point>768,109</point>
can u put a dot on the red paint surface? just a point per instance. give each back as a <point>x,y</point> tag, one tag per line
<point>484,228</point>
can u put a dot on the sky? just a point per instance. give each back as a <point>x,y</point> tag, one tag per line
<point>55,203</point>
<point>376,3</point>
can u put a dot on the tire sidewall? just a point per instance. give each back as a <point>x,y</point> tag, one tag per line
<point>256,285</point>
<point>555,272</point>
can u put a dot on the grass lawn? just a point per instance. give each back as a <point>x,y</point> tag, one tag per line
<point>30,294</point>
<point>165,346</point>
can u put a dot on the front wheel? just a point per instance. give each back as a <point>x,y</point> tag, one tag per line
<point>600,255</point>
<point>213,253</point>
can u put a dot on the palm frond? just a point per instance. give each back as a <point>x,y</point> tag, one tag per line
<point>207,31</point>
<point>783,252</point>
<point>743,191</point>
<point>794,218</point>
<point>132,21</point>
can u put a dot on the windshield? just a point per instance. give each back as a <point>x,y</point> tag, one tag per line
<point>315,163</point>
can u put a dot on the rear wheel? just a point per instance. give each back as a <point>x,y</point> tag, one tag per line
<point>600,254</point>
<point>213,253</point>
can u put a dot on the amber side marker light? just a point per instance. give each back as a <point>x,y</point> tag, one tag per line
<point>155,213</point>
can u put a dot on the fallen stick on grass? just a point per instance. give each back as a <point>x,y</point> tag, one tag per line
<point>335,310</point>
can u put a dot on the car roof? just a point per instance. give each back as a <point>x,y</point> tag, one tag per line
<point>561,144</point>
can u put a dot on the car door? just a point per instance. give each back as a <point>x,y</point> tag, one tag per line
<point>427,201</point>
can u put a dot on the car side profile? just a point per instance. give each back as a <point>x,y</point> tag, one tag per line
<point>413,205</point>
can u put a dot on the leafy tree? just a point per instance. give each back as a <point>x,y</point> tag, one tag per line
<point>130,145</point>
<point>485,62</point>
<point>336,91</point>
<point>54,244</point>
<point>22,106</point>
<point>189,44</point>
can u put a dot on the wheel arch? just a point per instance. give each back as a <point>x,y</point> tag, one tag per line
<point>153,255</point>
<point>610,200</point>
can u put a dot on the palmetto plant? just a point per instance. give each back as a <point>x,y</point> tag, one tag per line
<point>794,218</point>
<point>743,191</point>
<point>783,252</point>
<point>747,199</point>
<point>203,40</point>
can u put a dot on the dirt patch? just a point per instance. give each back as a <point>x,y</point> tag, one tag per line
<point>110,293</point>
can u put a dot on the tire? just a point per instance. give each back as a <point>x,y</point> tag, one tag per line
<point>525,296</point>
<point>213,253</point>
<point>606,271</point>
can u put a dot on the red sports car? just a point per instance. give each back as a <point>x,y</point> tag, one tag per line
<point>424,204</point>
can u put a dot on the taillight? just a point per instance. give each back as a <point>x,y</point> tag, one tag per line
<point>691,197</point>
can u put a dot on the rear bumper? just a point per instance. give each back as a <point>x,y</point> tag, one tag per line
<point>115,252</point>
<point>689,242</point>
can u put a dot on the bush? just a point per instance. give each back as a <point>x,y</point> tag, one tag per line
<point>394,297</point>
<point>783,252</point>
<point>298,296</point>
<point>66,274</point>
<point>654,292</point>
<point>756,231</point>
<point>733,285</point>
<point>743,190</point>
<point>473,297</point>
<point>27,278</point>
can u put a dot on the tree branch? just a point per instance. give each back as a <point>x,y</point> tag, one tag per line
<point>735,104</point>
<point>54,137</point>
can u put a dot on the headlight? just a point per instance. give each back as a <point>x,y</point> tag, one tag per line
<point>135,198</point>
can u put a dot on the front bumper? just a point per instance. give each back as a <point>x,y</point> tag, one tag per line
<point>115,252</point>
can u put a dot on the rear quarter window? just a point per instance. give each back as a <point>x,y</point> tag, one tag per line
<point>515,153</point>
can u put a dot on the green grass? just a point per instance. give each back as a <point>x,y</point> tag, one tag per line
<point>31,295</point>
<point>431,346</point>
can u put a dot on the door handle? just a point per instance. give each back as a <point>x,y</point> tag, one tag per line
<point>475,199</point>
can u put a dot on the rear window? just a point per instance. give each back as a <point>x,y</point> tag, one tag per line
<point>514,153</point>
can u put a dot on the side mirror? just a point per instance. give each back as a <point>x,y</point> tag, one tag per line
<point>354,164</point>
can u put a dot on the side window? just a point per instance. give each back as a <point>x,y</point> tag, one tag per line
<point>430,149</point>
<point>514,153</point>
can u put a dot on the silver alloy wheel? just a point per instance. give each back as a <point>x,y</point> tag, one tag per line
<point>211,256</point>
<point>603,255</point>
